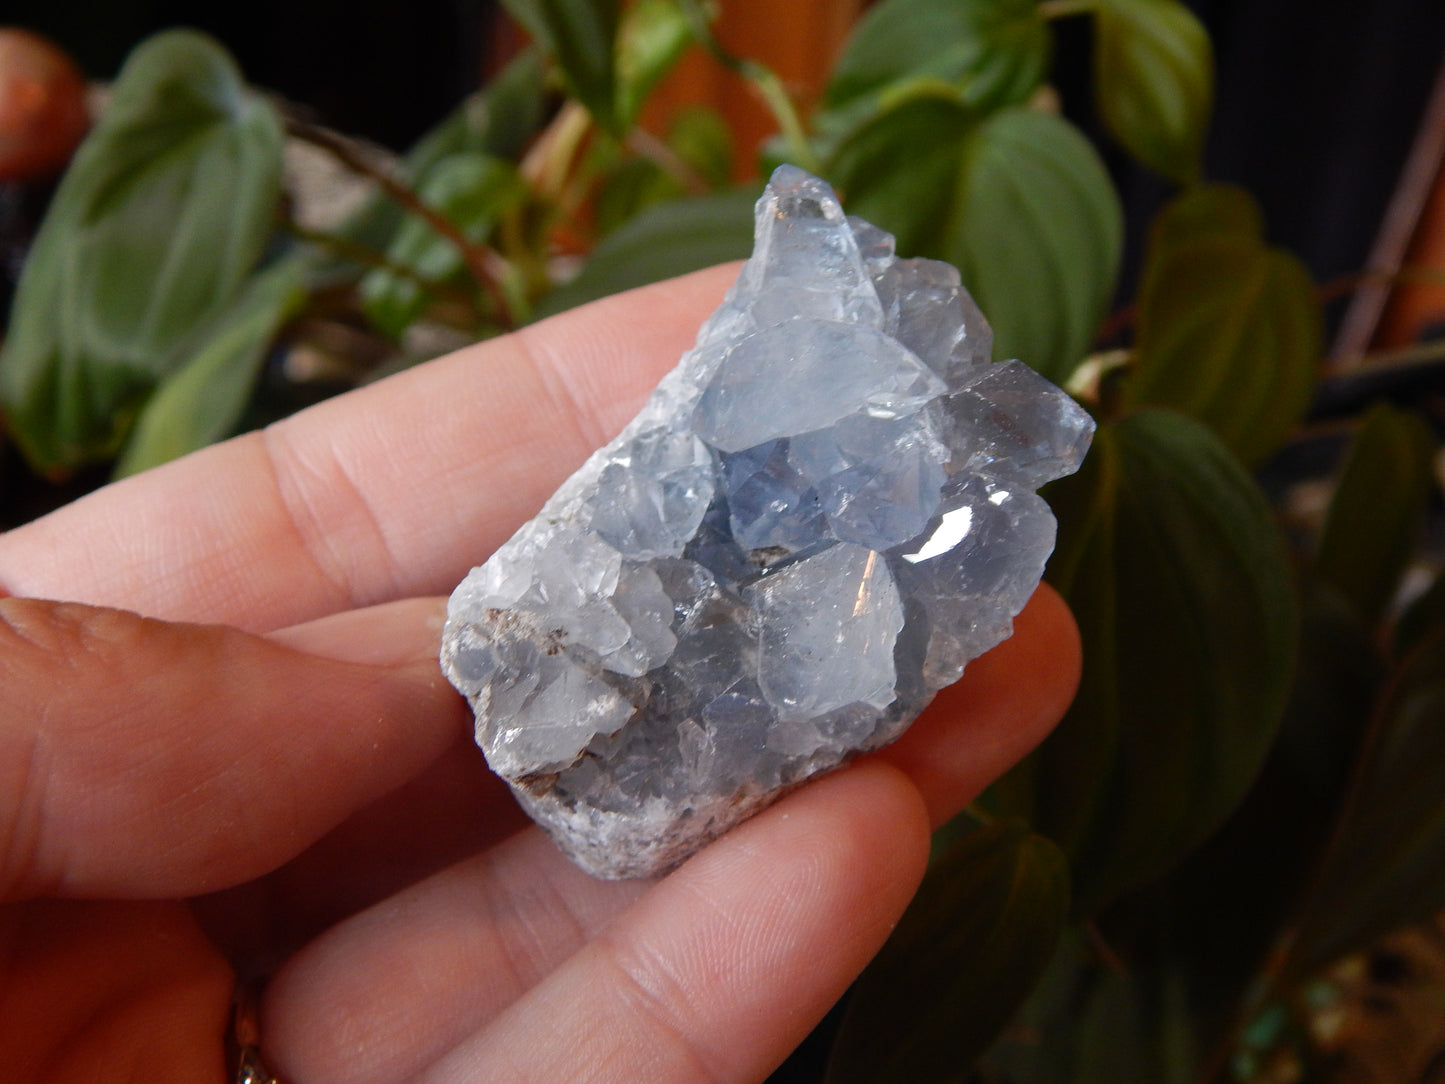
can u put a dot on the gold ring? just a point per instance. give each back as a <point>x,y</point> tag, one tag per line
<point>246,1039</point>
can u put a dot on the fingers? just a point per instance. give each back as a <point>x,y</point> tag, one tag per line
<point>388,492</point>
<point>140,758</point>
<point>1006,703</point>
<point>716,972</point>
<point>410,980</point>
<point>454,809</point>
<point>383,995</point>
<point>109,991</point>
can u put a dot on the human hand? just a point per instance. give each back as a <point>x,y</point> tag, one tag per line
<point>269,774</point>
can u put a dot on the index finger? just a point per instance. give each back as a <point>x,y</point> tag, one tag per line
<point>387,492</point>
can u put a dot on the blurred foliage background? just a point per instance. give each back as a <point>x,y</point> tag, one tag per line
<point>1174,211</point>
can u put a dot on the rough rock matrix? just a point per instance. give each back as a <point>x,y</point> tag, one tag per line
<point>818,518</point>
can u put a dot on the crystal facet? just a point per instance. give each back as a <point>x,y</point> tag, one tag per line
<point>821,515</point>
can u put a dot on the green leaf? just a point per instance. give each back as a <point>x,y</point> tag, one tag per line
<point>653,36</point>
<point>665,240</point>
<point>1224,906</point>
<point>498,121</point>
<point>201,402</point>
<point>636,184</point>
<point>162,214</point>
<point>1171,560</point>
<point>1154,82</point>
<point>700,137</point>
<point>965,954</point>
<point>1386,866</point>
<point>1086,1023</point>
<point>1378,511</point>
<point>472,190</point>
<point>580,36</point>
<point>1018,201</point>
<point>1229,330</point>
<point>995,52</point>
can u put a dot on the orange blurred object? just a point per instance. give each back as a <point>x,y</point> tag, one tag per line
<point>799,40</point>
<point>43,115</point>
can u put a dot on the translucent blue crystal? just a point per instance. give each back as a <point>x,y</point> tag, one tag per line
<point>821,515</point>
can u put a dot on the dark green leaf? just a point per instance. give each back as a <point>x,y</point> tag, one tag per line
<point>1154,82</point>
<point>201,401</point>
<point>1386,865</point>
<point>653,36</point>
<point>472,190</point>
<point>1378,510</point>
<point>1229,330</point>
<point>165,209</point>
<point>580,36</point>
<point>665,240</point>
<point>1086,1023</point>
<point>1224,906</point>
<point>1019,202</point>
<point>1171,560</point>
<point>966,953</point>
<point>994,51</point>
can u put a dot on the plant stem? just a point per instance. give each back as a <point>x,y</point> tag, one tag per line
<point>485,266</point>
<point>1105,951</point>
<point>1421,353</point>
<point>644,143</point>
<point>367,257</point>
<point>765,83</point>
<point>770,88</point>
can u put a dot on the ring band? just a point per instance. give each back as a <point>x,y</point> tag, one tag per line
<point>246,1039</point>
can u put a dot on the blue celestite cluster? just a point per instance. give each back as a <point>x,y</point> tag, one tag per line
<point>820,516</point>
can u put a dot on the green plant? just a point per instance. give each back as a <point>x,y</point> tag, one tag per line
<point>1245,787</point>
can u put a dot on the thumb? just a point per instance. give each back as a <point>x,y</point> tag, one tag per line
<point>142,758</point>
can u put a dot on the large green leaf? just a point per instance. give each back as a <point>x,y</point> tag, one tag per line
<point>1229,329</point>
<point>1386,865</point>
<point>1171,560</point>
<point>1378,511</point>
<point>965,955</point>
<point>580,36</point>
<point>1154,82</point>
<point>664,240</point>
<point>202,401</point>
<point>1088,1023</point>
<point>165,209</point>
<point>472,190</point>
<point>1216,917</point>
<point>994,51</point>
<point>1018,201</point>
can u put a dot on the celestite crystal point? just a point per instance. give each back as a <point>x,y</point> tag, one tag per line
<point>821,515</point>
